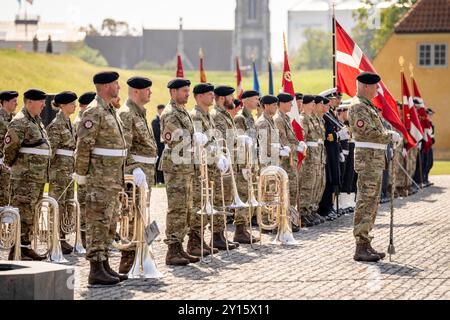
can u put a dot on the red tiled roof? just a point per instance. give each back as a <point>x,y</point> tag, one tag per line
<point>426,16</point>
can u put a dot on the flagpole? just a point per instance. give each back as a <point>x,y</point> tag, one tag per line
<point>334,41</point>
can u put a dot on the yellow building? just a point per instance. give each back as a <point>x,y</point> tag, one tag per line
<point>422,37</point>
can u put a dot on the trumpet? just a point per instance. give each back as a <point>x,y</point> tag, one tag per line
<point>273,194</point>
<point>46,229</point>
<point>144,265</point>
<point>10,230</point>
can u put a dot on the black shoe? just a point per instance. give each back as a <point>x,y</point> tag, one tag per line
<point>254,221</point>
<point>98,275</point>
<point>66,248</point>
<point>294,228</point>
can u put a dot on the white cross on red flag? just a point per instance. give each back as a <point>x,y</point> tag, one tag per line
<point>351,61</point>
<point>423,117</point>
<point>410,118</point>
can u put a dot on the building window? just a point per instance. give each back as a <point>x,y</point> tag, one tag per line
<point>432,55</point>
<point>252,10</point>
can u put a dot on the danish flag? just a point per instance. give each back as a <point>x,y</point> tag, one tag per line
<point>423,117</point>
<point>410,118</point>
<point>239,89</point>
<point>350,62</point>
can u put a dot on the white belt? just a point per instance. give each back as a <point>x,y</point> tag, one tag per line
<point>36,151</point>
<point>64,152</point>
<point>345,152</point>
<point>370,145</point>
<point>320,141</point>
<point>312,144</point>
<point>110,152</point>
<point>141,159</point>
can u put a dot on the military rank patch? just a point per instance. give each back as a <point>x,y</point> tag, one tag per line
<point>7,140</point>
<point>168,136</point>
<point>330,137</point>
<point>88,124</point>
<point>360,123</point>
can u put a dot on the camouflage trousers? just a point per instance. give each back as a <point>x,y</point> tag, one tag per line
<point>307,185</point>
<point>24,196</point>
<point>179,205</point>
<point>412,162</point>
<point>58,184</point>
<point>320,185</point>
<point>243,216</point>
<point>81,197</point>
<point>102,207</point>
<point>5,178</point>
<point>367,202</point>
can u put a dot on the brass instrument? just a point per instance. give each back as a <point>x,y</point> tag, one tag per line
<point>46,229</point>
<point>144,265</point>
<point>273,195</point>
<point>78,247</point>
<point>10,230</point>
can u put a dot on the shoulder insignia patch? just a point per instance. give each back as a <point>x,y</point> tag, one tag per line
<point>88,124</point>
<point>168,136</point>
<point>360,123</point>
<point>7,140</point>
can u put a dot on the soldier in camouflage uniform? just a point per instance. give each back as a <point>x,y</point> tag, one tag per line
<point>412,163</point>
<point>61,135</point>
<point>83,101</point>
<point>27,153</point>
<point>371,139</point>
<point>99,162</point>
<point>177,131</point>
<point>288,138</point>
<point>8,103</point>
<point>225,124</point>
<point>141,144</point>
<point>204,127</point>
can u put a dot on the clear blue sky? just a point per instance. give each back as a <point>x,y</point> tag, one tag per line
<point>154,14</point>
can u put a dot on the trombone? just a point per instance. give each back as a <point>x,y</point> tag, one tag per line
<point>10,230</point>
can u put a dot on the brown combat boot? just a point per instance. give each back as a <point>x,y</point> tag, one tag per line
<point>22,256</point>
<point>241,235</point>
<point>30,253</point>
<point>219,242</point>
<point>184,254</point>
<point>382,255</point>
<point>66,248</point>
<point>173,256</point>
<point>362,254</point>
<point>126,261</point>
<point>98,275</point>
<point>194,247</point>
<point>121,277</point>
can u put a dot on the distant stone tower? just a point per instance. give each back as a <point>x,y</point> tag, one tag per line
<point>252,32</point>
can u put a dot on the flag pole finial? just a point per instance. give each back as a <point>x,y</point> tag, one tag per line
<point>401,61</point>
<point>284,41</point>
<point>200,53</point>
<point>253,57</point>
<point>411,70</point>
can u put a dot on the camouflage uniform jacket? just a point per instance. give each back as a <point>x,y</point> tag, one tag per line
<point>365,123</point>
<point>5,119</point>
<point>100,127</point>
<point>142,149</point>
<point>286,134</point>
<point>267,135</point>
<point>76,122</point>
<point>224,123</point>
<point>61,135</point>
<point>25,131</point>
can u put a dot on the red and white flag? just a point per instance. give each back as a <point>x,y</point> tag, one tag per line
<point>239,88</point>
<point>294,115</point>
<point>180,71</point>
<point>410,118</point>
<point>202,68</point>
<point>351,61</point>
<point>423,117</point>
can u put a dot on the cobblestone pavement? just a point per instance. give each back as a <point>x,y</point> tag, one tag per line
<point>320,267</point>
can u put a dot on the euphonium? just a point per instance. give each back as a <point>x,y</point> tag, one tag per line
<point>273,192</point>
<point>128,199</point>
<point>46,229</point>
<point>10,230</point>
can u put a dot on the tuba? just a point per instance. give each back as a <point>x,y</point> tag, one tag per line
<point>46,230</point>
<point>144,265</point>
<point>273,195</point>
<point>10,230</point>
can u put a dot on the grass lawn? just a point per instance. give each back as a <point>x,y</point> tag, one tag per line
<point>440,168</point>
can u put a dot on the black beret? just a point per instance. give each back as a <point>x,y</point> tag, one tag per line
<point>178,83</point>
<point>203,88</point>
<point>318,99</point>
<point>139,82</point>
<point>308,99</point>
<point>35,94</point>
<point>223,91</point>
<point>237,103</point>
<point>87,98</point>
<point>249,94</point>
<point>325,100</point>
<point>105,77</point>
<point>8,95</point>
<point>65,97</point>
<point>269,99</point>
<point>285,97</point>
<point>368,78</point>
<point>299,96</point>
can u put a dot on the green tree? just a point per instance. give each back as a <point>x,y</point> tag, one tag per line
<point>147,65</point>
<point>315,53</point>
<point>89,55</point>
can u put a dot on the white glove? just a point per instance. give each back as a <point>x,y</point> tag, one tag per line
<point>249,141</point>
<point>343,134</point>
<point>302,147</point>
<point>285,151</point>
<point>139,177</point>
<point>223,164</point>
<point>404,153</point>
<point>395,136</point>
<point>200,139</point>
<point>341,157</point>
<point>80,180</point>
